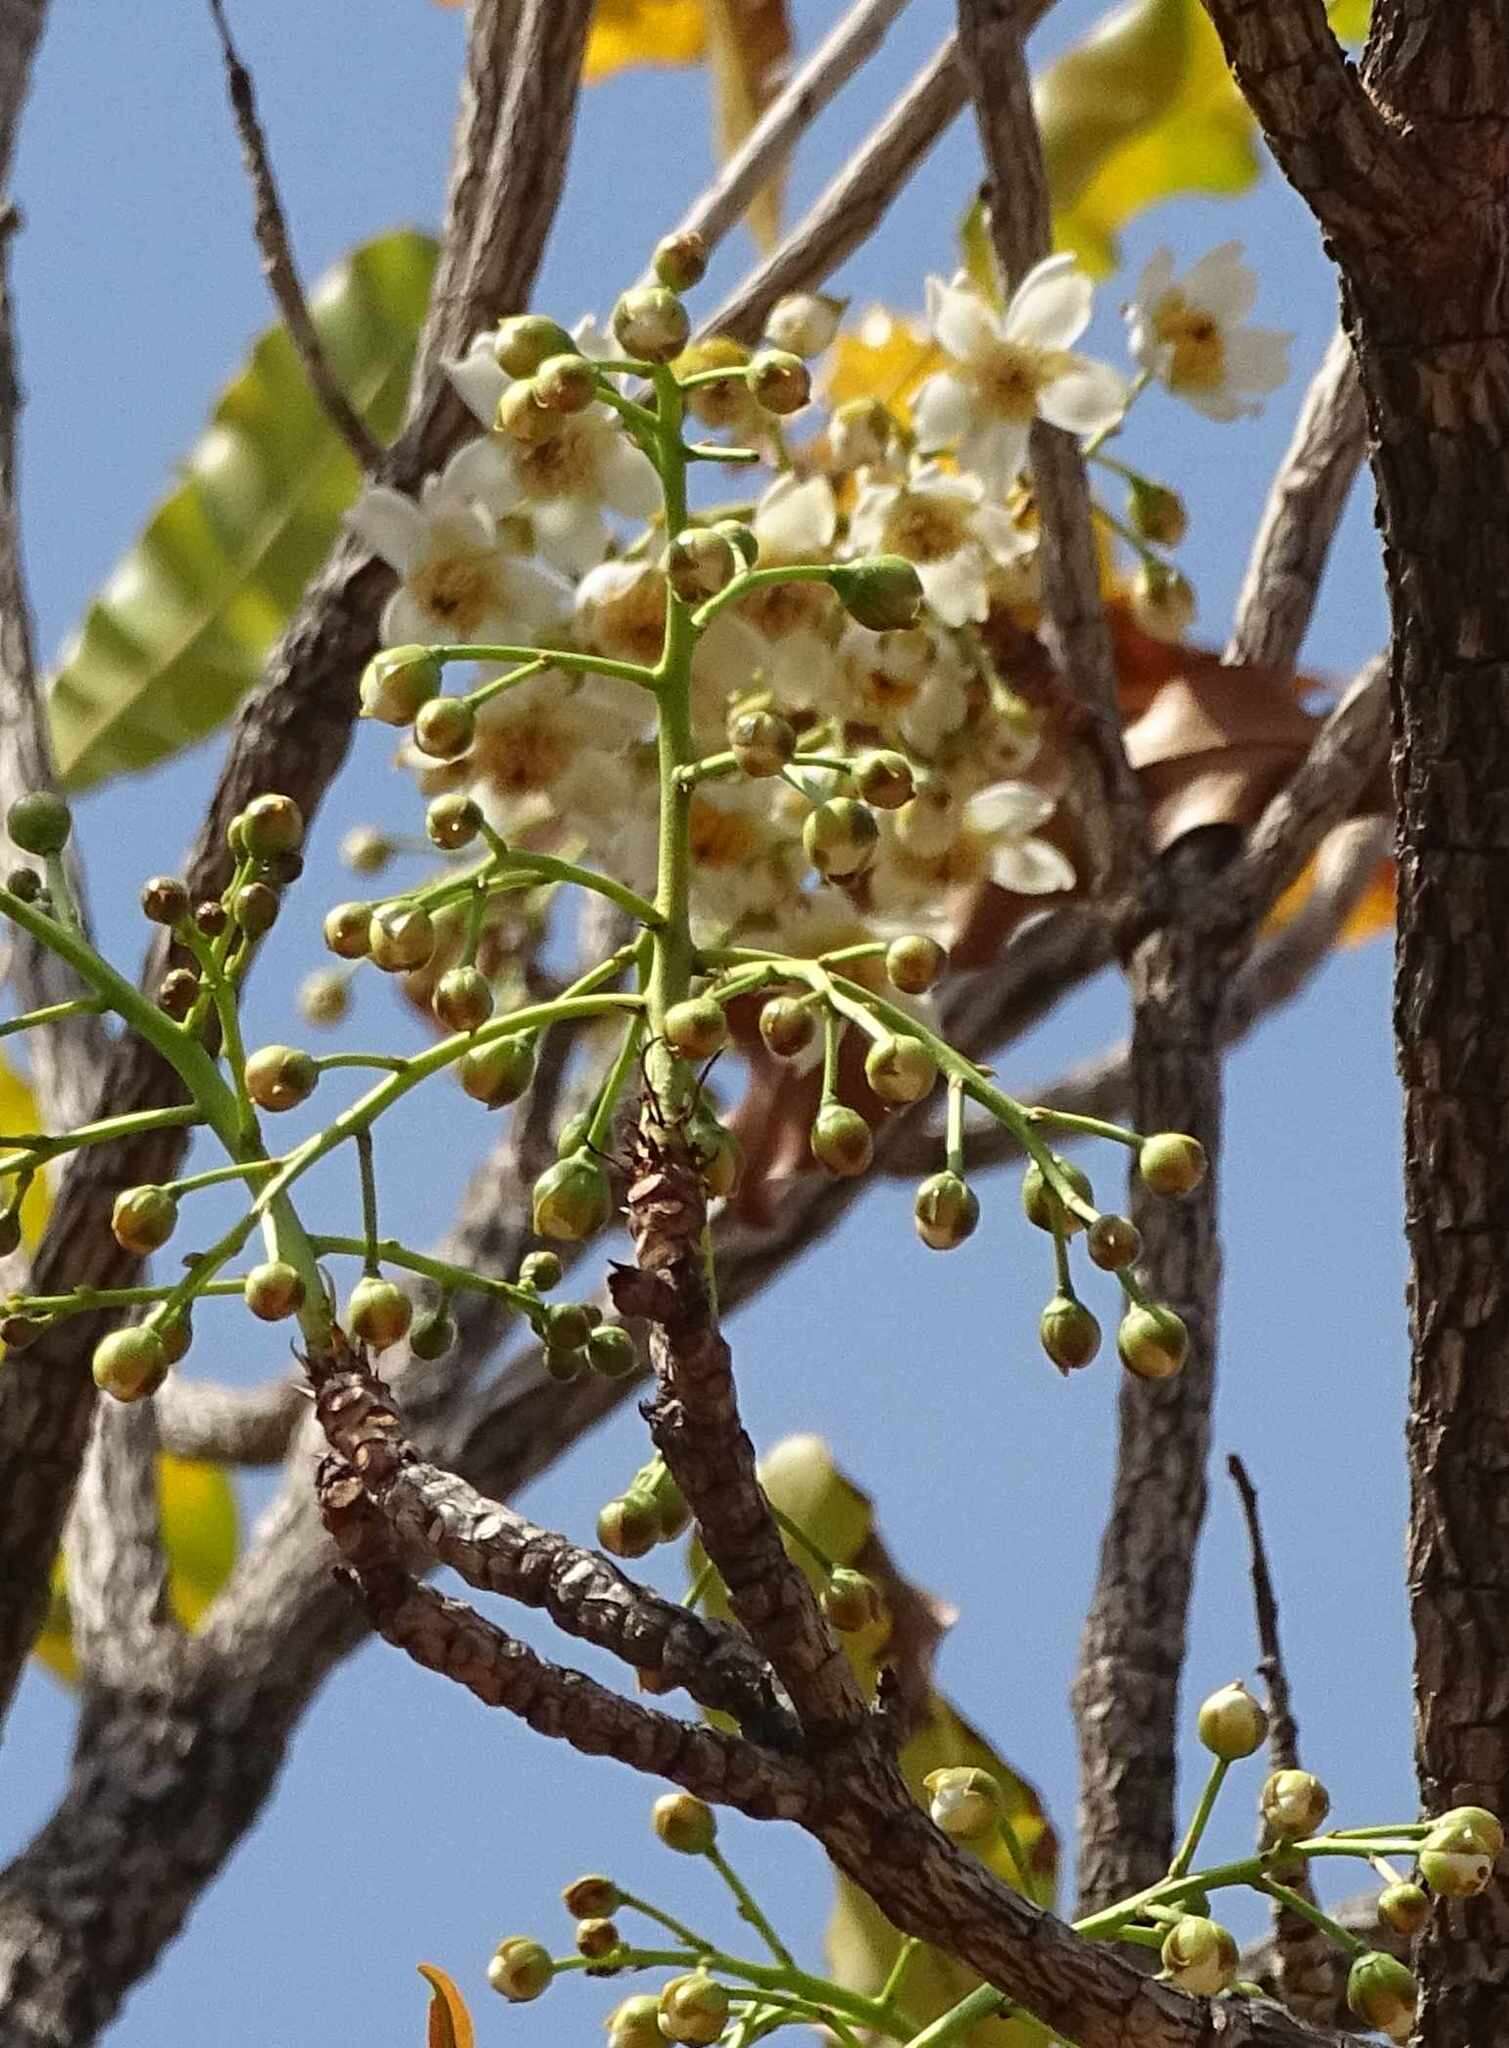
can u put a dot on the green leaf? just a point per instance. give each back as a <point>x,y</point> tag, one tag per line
<point>449,2024</point>
<point>179,633</point>
<point>977,252</point>
<point>1349,19</point>
<point>1143,110</point>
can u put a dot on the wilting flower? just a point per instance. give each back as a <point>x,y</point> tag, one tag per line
<point>1192,336</point>
<point>943,524</point>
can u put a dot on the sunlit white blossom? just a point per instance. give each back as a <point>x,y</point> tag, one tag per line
<point>1193,334</point>
<point>945,526</point>
<point>1009,814</point>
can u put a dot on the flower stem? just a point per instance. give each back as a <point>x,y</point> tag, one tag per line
<point>1202,1813</point>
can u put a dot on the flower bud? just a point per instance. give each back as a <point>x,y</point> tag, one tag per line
<point>1068,1333</point>
<point>1163,604</point>
<point>273,1290</point>
<point>567,1326</point>
<point>1487,1826</point>
<point>743,539</point>
<point>39,823</point>
<point>211,918</point>
<point>787,1026</point>
<point>453,820</point>
<point>651,324</point>
<point>378,1312</point>
<point>1293,1804</point>
<point>841,1141</point>
<point>1404,1909</point>
<point>131,1363</point>
<point>324,997</point>
<point>804,323</point>
<point>175,1336</point>
<point>178,992</point>
<point>696,1028</point>
<point>635,2023</point>
<point>1232,1724</point>
<point>347,930</point>
<point>280,1077</point>
<point>255,908</point>
<point>685,1823</point>
<point>270,825</point>
<point>1171,1163</point>
<point>27,884</point>
<point>17,1332</point>
<point>1113,1242</point>
<point>596,1937</point>
<point>572,1199</point>
<point>946,1211</point>
<point>611,1353</point>
<point>860,433</point>
<point>574,1133</point>
<point>680,260</point>
<point>966,1804</point>
<point>629,1526</point>
<point>445,728</point>
<point>564,1366</point>
<point>526,340</point>
<point>520,1969</point>
<point>670,1502</point>
<point>565,383</point>
<point>400,936</point>
<point>592,1898</point>
<point>779,382</point>
<point>699,563</point>
<point>900,1068</point>
<point>840,837</point>
<point>851,1601</point>
<point>542,1271</point>
<point>762,742</point>
<point>1156,513</point>
<point>1200,1956</point>
<point>463,1001</point>
<point>883,592</point>
<point>1382,1992</point>
<point>397,681</point>
<point>1041,1203</point>
<point>1456,1861</point>
<point>726,402</point>
<point>143,1219</point>
<point>884,779</point>
<point>1153,1342</point>
<point>432,1334</point>
<point>366,851</point>
<point>693,2009</point>
<point>720,1157</point>
<point>164,900</point>
<point>913,963</point>
<point>522,418</point>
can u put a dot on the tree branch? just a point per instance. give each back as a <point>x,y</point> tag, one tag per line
<point>229,1425</point>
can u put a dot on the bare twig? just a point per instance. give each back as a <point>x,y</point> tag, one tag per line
<point>1283,1731</point>
<point>270,226</point>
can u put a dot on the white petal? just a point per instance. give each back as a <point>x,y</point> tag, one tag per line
<point>999,533</point>
<point>483,470</point>
<point>403,623</point>
<point>939,709</point>
<point>627,477</point>
<point>455,526</point>
<point>929,481</point>
<point>1011,808</point>
<point>996,453</point>
<point>533,594</point>
<point>1257,359</point>
<point>571,534</point>
<point>795,520</point>
<point>1223,284</point>
<point>1051,306</point>
<point>479,380</point>
<point>1157,276</point>
<point>961,321</point>
<point>1031,867</point>
<point>1148,352</point>
<point>389,523</point>
<point>1086,399</point>
<point>955,587</point>
<point>941,411</point>
<point>594,340</point>
<point>867,525</point>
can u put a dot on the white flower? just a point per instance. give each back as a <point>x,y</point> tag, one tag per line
<point>943,524</point>
<point>794,522</point>
<point>462,578</point>
<point>1008,814</point>
<point>1191,335</point>
<point>1011,368</point>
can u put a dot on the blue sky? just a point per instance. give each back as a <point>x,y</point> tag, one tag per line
<point>409,1823</point>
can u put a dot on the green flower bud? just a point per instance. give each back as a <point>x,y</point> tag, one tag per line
<point>696,1028</point>
<point>851,1601</point>
<point>565,383</point>
<point>680,260</point>
<point>804,322</point>
<point>699,563</point>
<point>272,824</point>
<point>1114,1243</point>
<point>143,1219</point>
<point>611,1353</point>
<point>720,1157</point>
<point>564,1366</point>
<point>635,2023</point>
<point>432,1334</point>
<point>211,918</point>
<point>1404,1909</point>
<point>592,1898</point>
<point>1456,1861</point>
<point>463,1001</point>
<point>1487,1826</point>
<point>453,820</point>
<point>400,936</point>
<point>900,1068</point>
<point>884,779</point>
<point>1153,1342</point>
<point>787,1026</point>
<point>596,1938</point>
<point>841,1141</point>
<point>522,418</point>
<point>498,1073</point>
<point>396,682</point>
<point>255,908</point>
<point>946,1211</point>
<point>629,1526</point>
<point>840,837</point>
<point>1382,1992</point>
<point>779,382</point>
<point>1068,1332</point>
<point>164,900</point>
<point>913,963</point>
<point>1041,1204</point>
<point>670,1503</point>
<point>347,930</point>
<point>1163,604</point>
<point>445,728</point>
<point>280,1077</point>
<point>743,539</point>
<point>1293,1804</point>
<point>520,1969</point>
<point>1156,513</point>
<point>27,884</point>
<point>725,403</point>
<point>324,997</point>
<point>17,1332</point>
<point>130,1364</point>
<point>542,1271</point>
<point>526,340</point>
<point>39,823</point>
<point>178,992</point>
<point>693,2009</point>
<point>567,1326</point>
<point>883,592</point>
<point>366,851</point>
<point>651,324</point>
<point>273,1290</point>
<point>574,1133</point>
<point>572,1199</point>
<point>762,742</point>
<point>685,1823</point>
<point>1171,1163</point>
<point>966,1804</point>
<point>1232,1724</point>
<point>175,1337</point>
<point>860,433</point>
<point>378,1312</point>
<point>1200,1956</point>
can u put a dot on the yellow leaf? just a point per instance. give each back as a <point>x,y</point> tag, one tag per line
<point>1349,19</point>
<point>18,1112</point>
<point>882,355</point>
<point>450,2024</point>
<point>630,32</point>
<point>1143,110</point>
<point>1370,919</point>
<point>749,45</point>
<point>197,1504</point>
